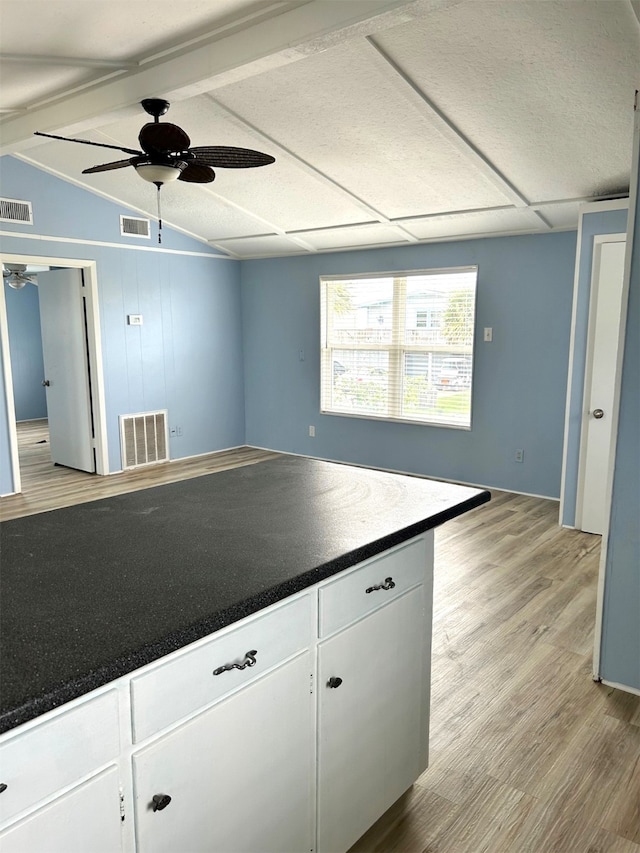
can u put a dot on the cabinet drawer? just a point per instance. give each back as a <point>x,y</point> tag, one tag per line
<point>84,820</point>
<point>51,755</point>
<point>353,595</point>
<point>186,683</point>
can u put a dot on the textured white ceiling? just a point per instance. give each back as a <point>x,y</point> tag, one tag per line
<point>391,122</point>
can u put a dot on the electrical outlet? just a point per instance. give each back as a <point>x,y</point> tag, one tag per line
<point>488,334</point>
<point>312,432</point>
<point>519,455</point>
<point>178,430</point>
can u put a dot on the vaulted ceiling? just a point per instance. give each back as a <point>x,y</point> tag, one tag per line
<point>391,122</point>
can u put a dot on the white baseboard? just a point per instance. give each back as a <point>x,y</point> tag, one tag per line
<point>407,473</point>
<point>617,686</point>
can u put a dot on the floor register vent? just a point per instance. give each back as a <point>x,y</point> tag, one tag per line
<point>143,439</point>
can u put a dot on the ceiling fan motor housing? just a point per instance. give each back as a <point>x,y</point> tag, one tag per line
<point>156,107</point>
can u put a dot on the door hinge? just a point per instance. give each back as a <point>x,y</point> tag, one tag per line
<point>121,805</point>
<point>311,683</point>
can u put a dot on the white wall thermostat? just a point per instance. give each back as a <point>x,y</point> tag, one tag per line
<point>134,319</point>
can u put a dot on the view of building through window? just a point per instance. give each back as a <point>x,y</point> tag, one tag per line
<point>399,346</point>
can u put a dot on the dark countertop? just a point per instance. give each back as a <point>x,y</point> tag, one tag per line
<point>94,591</point>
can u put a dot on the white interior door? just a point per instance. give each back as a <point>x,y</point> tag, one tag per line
<point>604,331</point>
<point>64,347</point>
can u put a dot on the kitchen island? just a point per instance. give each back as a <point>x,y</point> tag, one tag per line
<point>222,638</point>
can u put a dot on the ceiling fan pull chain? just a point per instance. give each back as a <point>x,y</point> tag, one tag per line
<point>159,185</point>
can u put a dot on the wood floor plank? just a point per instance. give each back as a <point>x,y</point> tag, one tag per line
<point>409,825</point>
<point>550,828</point>
<point>488,823</point>
<point>516,717</point>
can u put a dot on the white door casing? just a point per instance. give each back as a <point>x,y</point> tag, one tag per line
<point>66,365</point>
<point>94,336</point>
<point>600,378</point>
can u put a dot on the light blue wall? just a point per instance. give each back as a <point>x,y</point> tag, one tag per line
<point>524,292</point>
<point>598,222</point>
<point>187,355</point>
<point>620,652</point>
<point>25,344</point>
<point>6,483</point>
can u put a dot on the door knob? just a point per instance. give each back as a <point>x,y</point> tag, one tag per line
<point>46,383</point>
<point>160,801</point>
<point>598,413</point>
<point>334,681</point>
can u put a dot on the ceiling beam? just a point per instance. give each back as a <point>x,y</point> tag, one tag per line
<point>373,214</point>
<point>284,37</point>
<point>68,61</point>
<point>411,92</point>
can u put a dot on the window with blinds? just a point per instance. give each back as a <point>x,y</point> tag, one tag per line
<point>399,346</point>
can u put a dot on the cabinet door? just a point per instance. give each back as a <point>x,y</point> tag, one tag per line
<point>373,727</point>
<point>239,775</point>
<point>87,818</point>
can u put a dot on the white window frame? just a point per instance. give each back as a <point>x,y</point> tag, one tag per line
<point>397,349</point>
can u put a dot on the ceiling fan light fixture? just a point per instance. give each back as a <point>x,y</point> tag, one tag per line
<point>161,173</point>
<point>15,275</point>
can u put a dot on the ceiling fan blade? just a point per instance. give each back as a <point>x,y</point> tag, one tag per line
<point>228,157</point>
<point>198,173</point>
<point>87,142</point>
<point>107,167</point>
<point>163,136</point>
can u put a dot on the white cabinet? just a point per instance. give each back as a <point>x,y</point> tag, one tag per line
<point>237,743</point>
<point>86,819</point>
<point>373,703</point>
<point>239,775</point>
<point>40,759</point>
<point>61,795</point>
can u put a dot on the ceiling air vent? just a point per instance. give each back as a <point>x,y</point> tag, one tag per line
<point>143,439</point>
<point>131,226</point>
<point>13,210</point>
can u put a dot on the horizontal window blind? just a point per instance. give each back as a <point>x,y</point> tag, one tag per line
<point>399,346</point>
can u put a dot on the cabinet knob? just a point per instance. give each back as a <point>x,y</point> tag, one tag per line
<point>160,801</point>
<point>334,681</point>
<point>3,787</point>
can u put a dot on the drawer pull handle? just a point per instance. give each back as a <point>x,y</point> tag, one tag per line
<point>3,787</point>
<point>160,801</point>
<point>249,660</point>
<point>334,681</point>
<point>389,583</point>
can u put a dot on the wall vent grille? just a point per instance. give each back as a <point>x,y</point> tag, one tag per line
<point>13,210</point>
<point>132,226</point>
<point>144,439</point>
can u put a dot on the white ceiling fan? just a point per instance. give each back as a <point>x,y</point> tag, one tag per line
<point>15,275</point>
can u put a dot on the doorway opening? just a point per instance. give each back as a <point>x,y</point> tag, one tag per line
<point>79,339</point>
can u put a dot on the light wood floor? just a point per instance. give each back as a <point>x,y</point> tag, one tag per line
<point>47,486</point>
<point>528,755</point>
